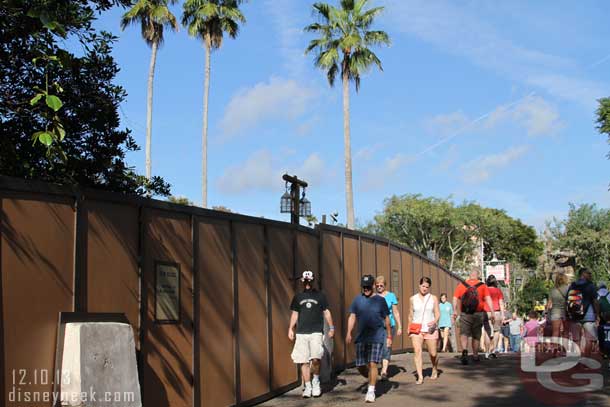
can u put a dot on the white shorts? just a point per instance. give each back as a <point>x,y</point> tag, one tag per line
<point>307,347</point>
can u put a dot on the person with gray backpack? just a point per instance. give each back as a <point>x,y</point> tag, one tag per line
<point>582,310</point>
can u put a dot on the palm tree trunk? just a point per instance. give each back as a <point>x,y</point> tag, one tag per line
<point>149,101</point>
<point>204,137</point>
<point>349,195</point>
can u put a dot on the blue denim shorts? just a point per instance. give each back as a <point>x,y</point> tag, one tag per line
<point>368,353</point>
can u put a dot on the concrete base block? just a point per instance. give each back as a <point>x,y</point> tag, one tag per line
<point>99,365</point>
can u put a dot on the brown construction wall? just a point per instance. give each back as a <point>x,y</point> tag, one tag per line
<point>167,370</point>
<point>112,260</point>
<point>67,250</point>
<point>216,345</point>
<point>37,260</point>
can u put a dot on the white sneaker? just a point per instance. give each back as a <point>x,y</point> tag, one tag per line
<point>370,397</point>
<point>307,392</point>
<point>316,391</point>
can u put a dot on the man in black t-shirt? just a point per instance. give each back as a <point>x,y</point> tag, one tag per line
<point>309,309</point>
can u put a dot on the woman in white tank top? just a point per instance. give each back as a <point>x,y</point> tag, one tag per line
<point>425,311</point>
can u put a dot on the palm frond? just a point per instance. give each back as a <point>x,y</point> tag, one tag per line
<point>327,58</point>
<point>153,16</point>
<point>365,20</point>
<point>322,10</point>
<point>209,20</point>
<point>376,38</point>
<point>332,74</point>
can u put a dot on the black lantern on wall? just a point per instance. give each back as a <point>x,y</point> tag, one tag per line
<point>304,206</point>
<point>286,202</point>
<point>290,201</point>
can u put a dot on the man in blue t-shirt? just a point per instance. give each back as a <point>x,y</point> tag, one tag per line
<point>372,314</point>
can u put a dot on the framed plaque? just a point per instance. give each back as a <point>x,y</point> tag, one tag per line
<point>167,292</point>
<point>395,281</point>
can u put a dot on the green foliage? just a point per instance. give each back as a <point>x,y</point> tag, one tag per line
<point>603,118</point>
<point>93,155</point>
<point>535,290</point>
<point>181,200</point>
<point>452,230</point>
<point>586,231</point>
<point>345,39</point>
<point>209,20</point>
<point>153,16</point>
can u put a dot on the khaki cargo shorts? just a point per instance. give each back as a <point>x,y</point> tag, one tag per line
<point>471,325</point>
<point>307,347</point>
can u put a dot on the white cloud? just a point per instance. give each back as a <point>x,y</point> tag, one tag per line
<point>376,177</point>
<point>313,169</point>
<point>307,126</point>
<point>458,30</point>
<point>565,87</point>
<point>367,152</point>
<point>256,173</point>
<point>446,124</point>
<point>278,99</point>
<point>536,115</point>
<point>482,168</point>
<point>262,172</point>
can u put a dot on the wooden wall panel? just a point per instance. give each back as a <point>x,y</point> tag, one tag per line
<point>383,260</point>
<point>168,348</point>
<point>37,264</point>
<point>332,284</point>
<point>216,314</point>
<point>368,264</point>
<point>282,290</point>
<point>352,282</point>
<point>409,290</point>
<point>395,285</point>
<point>252,298</point>
<point>112,261</point>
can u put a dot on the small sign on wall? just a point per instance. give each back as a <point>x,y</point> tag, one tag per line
<point>167,292</point>
<point>395,281</point>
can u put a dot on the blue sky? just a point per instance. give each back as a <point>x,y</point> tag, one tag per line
<point>491,102</point>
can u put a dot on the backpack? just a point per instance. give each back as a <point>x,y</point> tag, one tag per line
<point>470,299</point>
<point>604,308</point>
<point>575,308</point>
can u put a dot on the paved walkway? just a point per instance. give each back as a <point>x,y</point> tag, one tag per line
<point>498,382</point>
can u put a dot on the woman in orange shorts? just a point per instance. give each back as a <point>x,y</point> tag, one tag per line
<point>424,312</point>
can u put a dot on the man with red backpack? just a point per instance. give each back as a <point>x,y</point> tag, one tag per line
<point>468,303</point>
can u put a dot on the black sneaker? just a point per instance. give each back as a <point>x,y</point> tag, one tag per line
<point>464,357</point>
<point>493,355</point>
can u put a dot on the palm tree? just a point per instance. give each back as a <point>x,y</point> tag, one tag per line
<point>208,20</point>
<point>153,16</point>
<point>344,46</point>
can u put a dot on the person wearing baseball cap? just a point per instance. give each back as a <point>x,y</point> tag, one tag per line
<point>309,309</point>
<point>372,314</point>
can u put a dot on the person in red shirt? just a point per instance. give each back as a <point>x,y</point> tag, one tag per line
<point>493,329</point>
<point>471,316</point>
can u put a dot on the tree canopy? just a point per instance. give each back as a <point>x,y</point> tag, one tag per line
<point>586,231</point>
<point>92,154</point>
<point>603,118</point>
<point>452,231</point>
